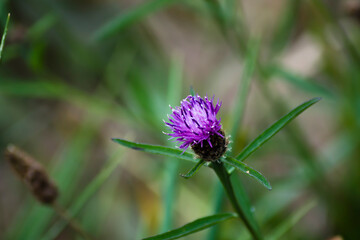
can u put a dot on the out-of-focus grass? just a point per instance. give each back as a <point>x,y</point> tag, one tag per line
<point>172,165</point>
<point>117,24</point>
<point>63,96</point>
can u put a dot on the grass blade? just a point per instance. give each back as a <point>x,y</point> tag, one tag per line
<point>224,177</point>
<point>192,91</point>
<point>175,81</point>
<point>273,129</point>
<point>218,197</point>
<point>216,11</point>
<point>193,170</point>
<point>248,70</point>
<point>85,195</point>
<point>244,202</point>
<point>54,89</point>
<point>119,23</point>
<point>300,82</point>
<point>171,168</point>
<point>288,223</point>
<point>65,173</point>
<point>195,226</point>
<point>41,26</point>
<point>286,26</point>
<point>251,58</point>
<point>247,170</point>
<point>170,187</point>
<point>4,35</point>
<point>166,151</point>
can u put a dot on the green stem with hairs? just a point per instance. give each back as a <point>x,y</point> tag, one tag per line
<point>224,177</point>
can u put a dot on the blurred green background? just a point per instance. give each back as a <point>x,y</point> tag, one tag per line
<point>74,74</point>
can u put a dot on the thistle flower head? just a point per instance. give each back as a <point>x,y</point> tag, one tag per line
<point>194,123</point>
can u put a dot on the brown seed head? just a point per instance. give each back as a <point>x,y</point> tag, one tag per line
<point>33,174</point>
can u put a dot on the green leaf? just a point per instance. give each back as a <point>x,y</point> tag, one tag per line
<point>38,88</point>
<point>300,82</point>
<point>286,26</point>
<point>41,26</point>
<point>4,35</point>
<point>288,223</point>
<point>248,71</point>
<point>175,80</point>
<point>166,151</point>
<point>224,177</point>
<point>244,203</point>
<point>125,19</point>
<point>244,88</point>
<point>169,189</point>
<point>273,129</point>
<point>193,170</point>
<point>195,226</point>
<point>217,198</point>
<point>171,168</point>
<point>217,13</point>
<point>247,170</point>
<point>66,173</point>
<point>79,202</point>
<point>192,91</point>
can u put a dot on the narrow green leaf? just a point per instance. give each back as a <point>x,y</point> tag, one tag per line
<point>217,13</point>
<point>125,19</point>
<point>41,26</point>
<point>140,93</point>
<point>244,202</point>
<point>33,88</point>
<point>66,173</point>
<point>286,26</point>
<point>288,223</point>
<point>195,226</point>
<point>247,170</point>
<point>175,81</point>
<point>38,88</point>
<point>171,168</point>
<point>230,12</point>
<point>273,129</point>
<point>218,198</point>
<point>193,170</point>
<point>224,177</point>
<point>84,196</point>
<point>300,82</point>
<point>169,189</point>
<point>248,70</point>
<point>192,91</point>
<point>4,35</point>
<point>166,151</point>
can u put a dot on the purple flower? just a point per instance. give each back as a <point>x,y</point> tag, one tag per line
<point>194,122</point>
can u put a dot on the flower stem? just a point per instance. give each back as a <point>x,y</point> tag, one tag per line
<point>225,180</point>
